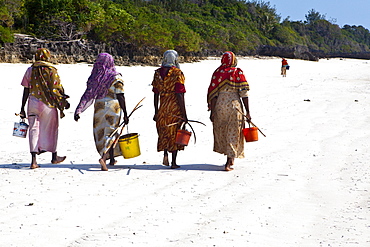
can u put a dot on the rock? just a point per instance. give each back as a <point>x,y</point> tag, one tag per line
<point>296,52</point>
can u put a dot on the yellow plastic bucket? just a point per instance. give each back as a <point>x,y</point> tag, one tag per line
<point>129,145</point>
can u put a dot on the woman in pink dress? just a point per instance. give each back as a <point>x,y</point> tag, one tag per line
<point>45,94</point>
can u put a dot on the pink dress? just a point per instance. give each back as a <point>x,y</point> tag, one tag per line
<point>43,122</point>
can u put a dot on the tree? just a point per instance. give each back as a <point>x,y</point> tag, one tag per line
<point>62,19</point>
<point>314,16</point>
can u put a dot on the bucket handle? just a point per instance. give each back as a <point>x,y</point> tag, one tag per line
<point>247,118</point>
<point>183,127</point>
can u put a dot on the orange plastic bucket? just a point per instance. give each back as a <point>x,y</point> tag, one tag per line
<point>182,137</point>
<point>250,134</point>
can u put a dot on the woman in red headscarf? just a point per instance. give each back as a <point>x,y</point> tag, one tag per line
<point>227,94</point>
<point>284,67</point>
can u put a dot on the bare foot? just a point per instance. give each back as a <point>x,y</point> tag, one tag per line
<point>174,166</point>
<point>112,163</point>
<point>228,167</point>
<point>34,166</point>
<point>103,165</point>
<point>165,161</point>
<point>59,159</point>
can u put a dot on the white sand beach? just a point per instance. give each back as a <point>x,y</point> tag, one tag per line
<point>306,184</point>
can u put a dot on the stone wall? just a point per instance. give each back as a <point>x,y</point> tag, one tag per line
<point>126,54</point>
<point>82,51</point>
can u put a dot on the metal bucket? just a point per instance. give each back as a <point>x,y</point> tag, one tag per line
<point>20,129</point>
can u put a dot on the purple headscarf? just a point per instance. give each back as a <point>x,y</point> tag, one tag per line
<point>101,78</point>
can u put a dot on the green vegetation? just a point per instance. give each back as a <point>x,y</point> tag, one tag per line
<point>185,25</point>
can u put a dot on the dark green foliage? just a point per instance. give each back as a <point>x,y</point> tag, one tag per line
<point>185,25</point>
<point>5,35</point>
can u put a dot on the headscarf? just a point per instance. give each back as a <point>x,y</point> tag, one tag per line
<point>226,74</point>
<point>42,54</point>
<point>170,59</point>
<point>45,82</point>
<point>102,76</point>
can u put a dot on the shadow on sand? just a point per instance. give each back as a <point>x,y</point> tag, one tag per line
<point>96,167</point>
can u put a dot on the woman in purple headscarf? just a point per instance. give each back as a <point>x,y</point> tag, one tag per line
<point>105,87</point>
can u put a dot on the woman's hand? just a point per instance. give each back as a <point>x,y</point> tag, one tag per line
<point>76,117</point>
<point>155,118</point>
<point>249,118</point>
<point>211,116</point>
<point>185,118</point>
<point>22,114</point>
<point>125,119</point>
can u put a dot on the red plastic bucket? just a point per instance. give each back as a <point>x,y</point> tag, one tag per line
<point>182,137</point>
<point>251,134</point>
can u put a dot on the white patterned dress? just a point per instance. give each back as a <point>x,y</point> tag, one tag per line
<point>107,116</point>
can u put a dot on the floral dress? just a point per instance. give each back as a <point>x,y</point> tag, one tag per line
<point>228,123</point>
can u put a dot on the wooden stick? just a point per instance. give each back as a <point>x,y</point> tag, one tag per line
<point>17,114</point>
<point>135,108</point>
<point>249,120</point>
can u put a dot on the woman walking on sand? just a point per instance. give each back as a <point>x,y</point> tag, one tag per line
<point>169,105</point>
<point>228,85</point>
<point>284,67</point>
<point>105,87</point>
<point>45,94</point>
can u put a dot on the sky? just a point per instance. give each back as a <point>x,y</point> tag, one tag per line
<point>354,12</point>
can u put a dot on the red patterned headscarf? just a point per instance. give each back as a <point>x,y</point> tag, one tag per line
<point>226,74</point>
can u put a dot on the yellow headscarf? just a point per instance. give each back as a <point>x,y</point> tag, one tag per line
<point>45,82</point>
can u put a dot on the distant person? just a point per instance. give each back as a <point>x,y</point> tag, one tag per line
<point>284,67</point>
<point>45,94</point>
<point>227,93</point>
<point>169,105</point>
<point>105,87</point>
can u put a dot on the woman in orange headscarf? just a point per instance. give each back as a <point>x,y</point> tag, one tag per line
<point>228,85</point>
<point>45,95</point>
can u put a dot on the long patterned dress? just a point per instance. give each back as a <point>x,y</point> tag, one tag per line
<point>228,123</point>
<point>107,114</point>
<point>169,109</point>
